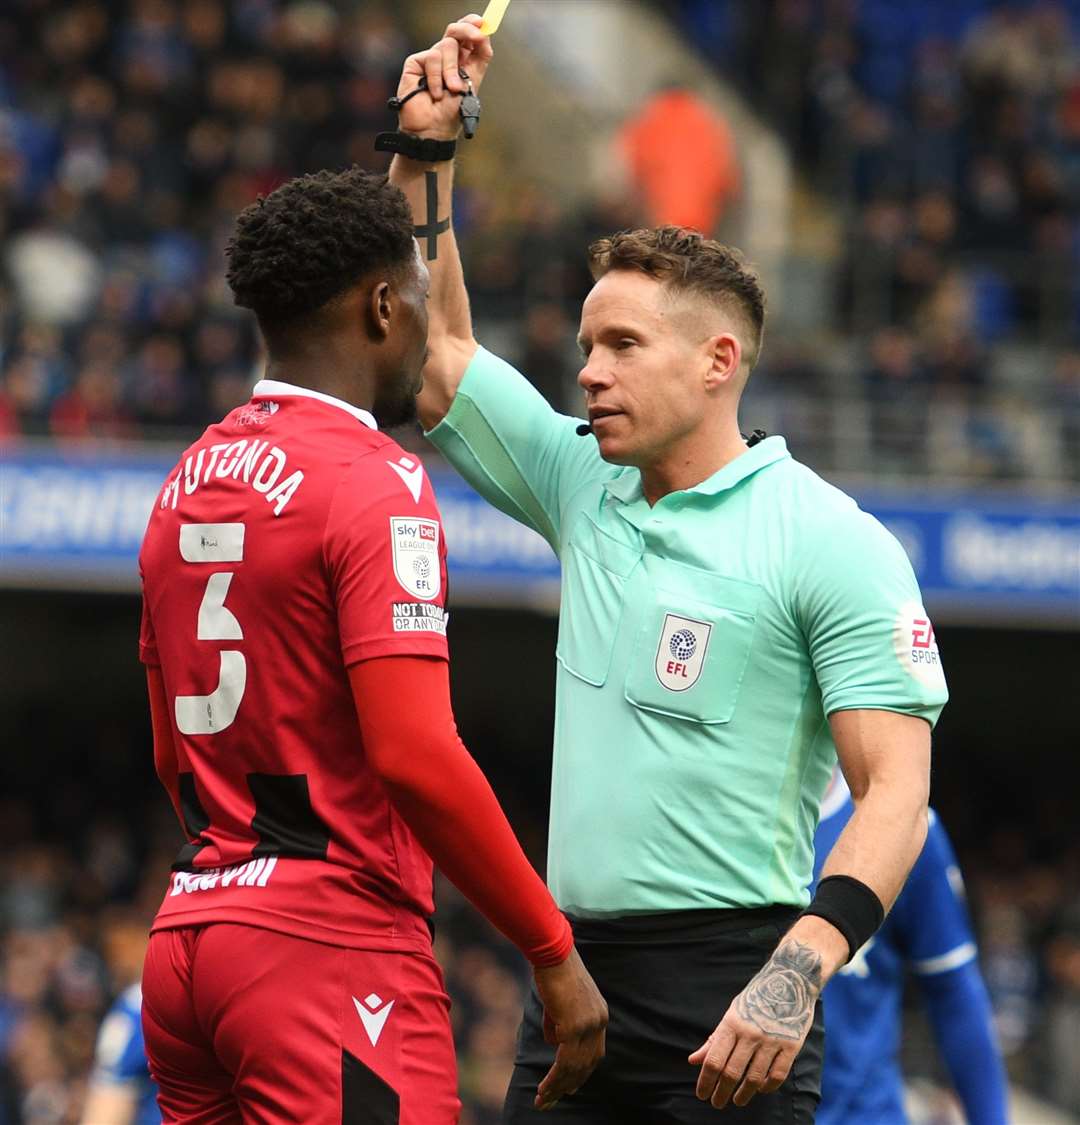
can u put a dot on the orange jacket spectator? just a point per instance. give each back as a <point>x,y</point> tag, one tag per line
<point>682,160</point>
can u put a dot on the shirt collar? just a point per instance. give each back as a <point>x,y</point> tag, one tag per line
<point>273,388</point>
<point>627,485</point>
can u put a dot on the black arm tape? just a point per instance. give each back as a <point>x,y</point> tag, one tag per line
<point>851,906</point>
<point>426,150</point>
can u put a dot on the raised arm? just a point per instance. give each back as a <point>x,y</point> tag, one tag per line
<point>487,419</point>
<point>428,185</point>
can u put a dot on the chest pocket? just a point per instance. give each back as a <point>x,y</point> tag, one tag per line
<point>694,643</point>
<point>595,569</point>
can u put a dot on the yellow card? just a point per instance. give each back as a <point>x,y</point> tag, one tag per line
<point>496,9</point>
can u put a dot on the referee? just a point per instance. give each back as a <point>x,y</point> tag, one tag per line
<point>730,625</point>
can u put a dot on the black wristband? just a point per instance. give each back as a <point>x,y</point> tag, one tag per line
<point>427,150</point>
<point>851,906</point>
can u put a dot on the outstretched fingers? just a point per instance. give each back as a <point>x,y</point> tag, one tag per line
<point>758,1077</point>
<point>711,1056</point>
<point>732,1071</point>
<point>778,1072</point>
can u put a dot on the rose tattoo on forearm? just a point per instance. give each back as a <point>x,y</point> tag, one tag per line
<point>780,999</point>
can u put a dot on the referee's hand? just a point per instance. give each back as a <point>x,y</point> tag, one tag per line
<point>575,1023</point>
<point>754,1045</point>
<point>435,114</point>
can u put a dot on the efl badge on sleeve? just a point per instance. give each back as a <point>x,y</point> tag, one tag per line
<point>681,652</point>
<point>416,556</point>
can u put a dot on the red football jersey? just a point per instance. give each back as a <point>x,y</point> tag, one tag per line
<point>292,540</point>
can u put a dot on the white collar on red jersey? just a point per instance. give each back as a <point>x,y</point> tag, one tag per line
<point>272,388</point>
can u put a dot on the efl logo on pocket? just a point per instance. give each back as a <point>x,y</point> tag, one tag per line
<point>681,652</point>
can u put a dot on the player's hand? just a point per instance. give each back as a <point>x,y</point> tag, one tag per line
<point>575,1022</point>
<point>434,113</point>
<point>754,1045</point>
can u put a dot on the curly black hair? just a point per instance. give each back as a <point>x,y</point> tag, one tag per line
<point>309,240</point>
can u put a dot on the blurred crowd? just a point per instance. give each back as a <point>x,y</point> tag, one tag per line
<point>74,912</point>
<point>950,132</point>
<point>1029,913</point>
<point>946,139</point>
<point>75,904</point>
<point>130,136</point>
<point>947,136</point>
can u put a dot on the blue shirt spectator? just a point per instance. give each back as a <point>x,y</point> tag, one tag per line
<point>121,1089</point>
<point>927,931</point>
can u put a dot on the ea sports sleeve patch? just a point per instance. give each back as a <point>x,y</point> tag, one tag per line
<point>915,644</point>
<point>871,641</point>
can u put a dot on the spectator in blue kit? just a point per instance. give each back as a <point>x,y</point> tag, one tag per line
<point>927,931</point>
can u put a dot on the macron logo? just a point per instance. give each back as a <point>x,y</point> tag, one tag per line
<point>411,473</point>
<point>373,1015</point>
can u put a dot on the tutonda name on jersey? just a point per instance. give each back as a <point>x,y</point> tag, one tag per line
<point>262,466</point>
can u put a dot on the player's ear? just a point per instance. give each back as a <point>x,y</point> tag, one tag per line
<point>379,309</point>
<point>725,353</point>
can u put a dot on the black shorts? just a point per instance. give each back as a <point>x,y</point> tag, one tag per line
<point>668,980</point>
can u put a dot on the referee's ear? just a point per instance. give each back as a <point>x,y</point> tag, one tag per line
<point>725,352</point>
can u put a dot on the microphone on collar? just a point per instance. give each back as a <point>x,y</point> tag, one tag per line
<point>755,435</point>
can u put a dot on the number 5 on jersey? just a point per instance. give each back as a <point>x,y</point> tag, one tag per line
<point>214,543</point>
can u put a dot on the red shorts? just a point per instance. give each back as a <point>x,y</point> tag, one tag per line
<point>248,1025</point>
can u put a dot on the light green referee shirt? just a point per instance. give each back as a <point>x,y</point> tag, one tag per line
<point>702,644</point>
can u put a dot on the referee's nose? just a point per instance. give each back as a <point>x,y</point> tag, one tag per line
<point>596,375</point>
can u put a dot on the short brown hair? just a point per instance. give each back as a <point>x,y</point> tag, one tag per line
<point>687,262</point>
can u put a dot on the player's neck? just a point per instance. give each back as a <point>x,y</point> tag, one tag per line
<point>322,372</point>
<point>691,461</point>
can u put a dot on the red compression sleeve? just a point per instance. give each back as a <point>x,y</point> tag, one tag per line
<point>412,743</point>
